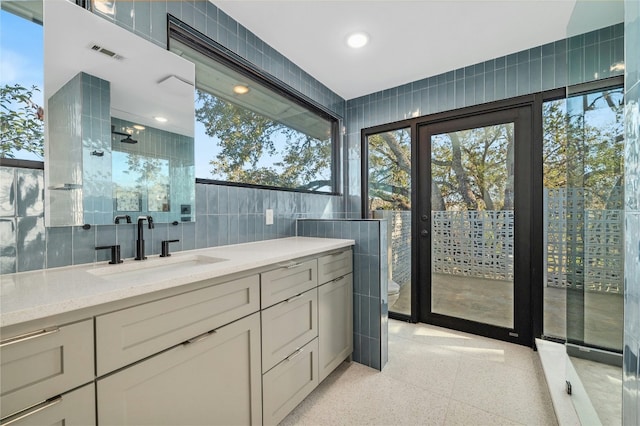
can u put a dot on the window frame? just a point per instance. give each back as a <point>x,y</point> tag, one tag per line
<point>182,32</point>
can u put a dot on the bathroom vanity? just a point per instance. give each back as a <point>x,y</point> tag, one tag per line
<point>228,335</point>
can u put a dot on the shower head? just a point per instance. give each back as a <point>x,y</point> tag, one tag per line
<point>125,140</point>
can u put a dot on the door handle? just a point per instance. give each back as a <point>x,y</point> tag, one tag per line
<point>424,233</point>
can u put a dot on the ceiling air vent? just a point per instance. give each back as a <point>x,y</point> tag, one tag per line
<point>107,52</point>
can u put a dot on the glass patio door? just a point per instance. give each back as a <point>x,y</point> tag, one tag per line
<point>474,205</point>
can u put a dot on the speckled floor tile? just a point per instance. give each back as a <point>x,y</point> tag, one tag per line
<point>460,414</point>
<point>514,393</point>
<point>435,376</point>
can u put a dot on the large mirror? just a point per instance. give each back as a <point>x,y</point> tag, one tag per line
<point>119,114</point>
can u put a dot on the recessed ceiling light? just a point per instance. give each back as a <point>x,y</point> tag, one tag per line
<point>138,127</point>
<point>240,89</point>
<point>357,40</point>
<point>160,119</point>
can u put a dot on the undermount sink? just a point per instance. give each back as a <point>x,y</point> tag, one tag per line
<point>160,266</point>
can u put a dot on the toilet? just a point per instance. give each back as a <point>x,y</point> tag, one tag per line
<point>393,292</point>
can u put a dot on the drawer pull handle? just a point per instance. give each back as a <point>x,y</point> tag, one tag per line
<point>295,354</point>
<point>29,336</point>
<point>36,408</point>
<point>295,265</point>
<point>199,338</point>
<point>291,299</point>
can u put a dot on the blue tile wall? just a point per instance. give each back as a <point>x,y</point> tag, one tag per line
<point>22,231</point>
<point>224,215</point>
<point>370,274</point>
<point>590,57</point>
<point>96,136</point>
<point>631,351</point>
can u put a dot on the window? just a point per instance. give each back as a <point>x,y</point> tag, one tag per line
<point>251,129</point>
<point>389,197</point>
<point>21,80</point>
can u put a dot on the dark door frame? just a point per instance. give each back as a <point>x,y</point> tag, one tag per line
<point>522,117</point>
<point>536,222</point>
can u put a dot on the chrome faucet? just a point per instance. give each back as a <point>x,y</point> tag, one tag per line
<point>140,241</point>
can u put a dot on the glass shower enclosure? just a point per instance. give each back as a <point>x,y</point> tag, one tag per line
<point>584,244</point>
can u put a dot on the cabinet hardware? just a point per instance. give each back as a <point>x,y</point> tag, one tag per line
<point>338,279</point>
<point>292,298</point>
<point>295,265</point>
<point>29,336</point>
<point>198,338</point>
<point>36,408</point>
<point>295,354</point>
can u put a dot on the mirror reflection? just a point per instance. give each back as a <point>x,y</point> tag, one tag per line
<point>120,123</point>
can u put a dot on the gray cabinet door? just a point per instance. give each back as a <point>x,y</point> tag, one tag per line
<point>77,408</point>
<point>288,326</point>
<point>40,365</point>
<point>212,380</point>
<point>335,323</point>
<point>288,383</point>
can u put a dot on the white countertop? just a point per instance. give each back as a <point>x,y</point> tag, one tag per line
<point>27,296</point>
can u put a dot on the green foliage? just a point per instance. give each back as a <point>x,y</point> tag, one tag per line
<point>246,138</point>
<point>583,146</point>
<point>390,170</point>
<point>21,121</point>
<point>471,168</point>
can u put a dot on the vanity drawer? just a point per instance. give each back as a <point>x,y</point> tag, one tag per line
<point>288,326</point>
<point>43,364</point>
<point>334,265</point>
<point>131,334</point>
<point>287,281</point>
<point>289,382</point>
<point>77,408</point>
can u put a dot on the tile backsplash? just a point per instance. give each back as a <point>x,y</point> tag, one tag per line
<point>224,215</point>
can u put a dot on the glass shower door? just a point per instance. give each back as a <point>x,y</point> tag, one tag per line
<point>593,200</point>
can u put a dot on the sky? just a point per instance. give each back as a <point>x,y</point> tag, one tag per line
<point>22,58</point>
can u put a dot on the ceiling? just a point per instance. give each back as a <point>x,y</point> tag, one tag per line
<point>145,80</point>
<point>410,40</point>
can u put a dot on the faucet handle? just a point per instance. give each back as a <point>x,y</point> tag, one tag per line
<point>116,220</point>
<point>165,247</point>
<point>150,222</point>
<point>115,253</point>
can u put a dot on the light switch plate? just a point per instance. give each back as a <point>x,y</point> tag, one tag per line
<point>269,216</point>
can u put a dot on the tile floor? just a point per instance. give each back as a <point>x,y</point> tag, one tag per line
<point>434,376</point>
